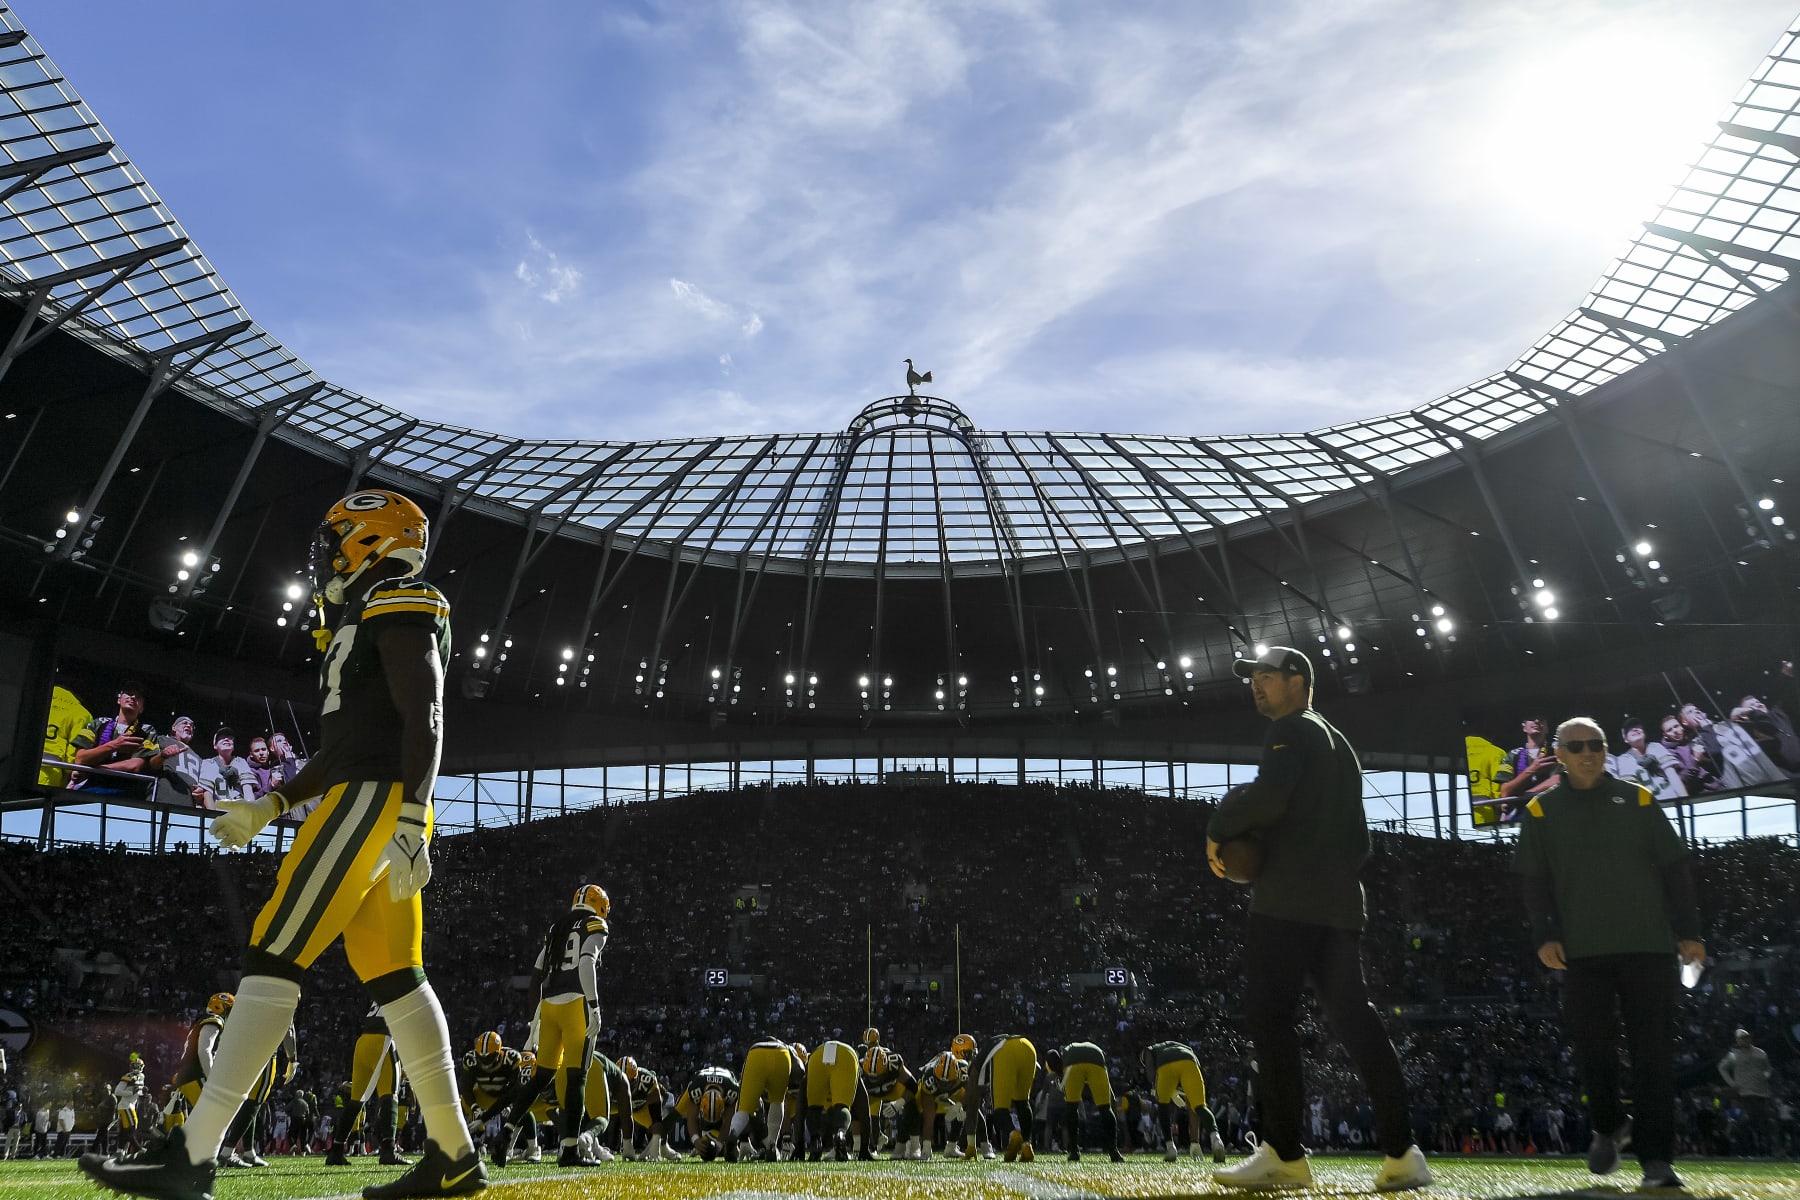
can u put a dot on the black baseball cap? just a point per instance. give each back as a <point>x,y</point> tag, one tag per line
<point>1275,658</point>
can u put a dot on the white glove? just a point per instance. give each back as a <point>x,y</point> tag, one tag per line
<point>244,819</point>
<point>405,858</point>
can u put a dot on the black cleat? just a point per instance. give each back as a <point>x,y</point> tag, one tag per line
<point>1115,1155</point>
<point>435,1174</point>
<point>335,1157</point>
<point>391,1157</point>
<point>161,1171</point>
<point>1074,1156</point>
<point>503,1145</point>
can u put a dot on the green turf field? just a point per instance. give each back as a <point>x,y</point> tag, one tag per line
<point>1046,1179</point>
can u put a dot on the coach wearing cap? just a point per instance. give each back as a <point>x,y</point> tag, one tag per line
<point>1306,921</point>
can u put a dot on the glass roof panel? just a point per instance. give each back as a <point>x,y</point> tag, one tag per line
<point>911,478</point>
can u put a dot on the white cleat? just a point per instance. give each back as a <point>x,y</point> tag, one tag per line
<point>1404,1173</point>
<point>1265,1169</point>
<point>1170,1153</point>
<point>987,1151</point>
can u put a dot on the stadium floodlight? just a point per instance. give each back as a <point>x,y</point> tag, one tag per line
<point>295,591</point>
<point>1642,549</point>
<point>1185,661</point>
<point>1766,503</point>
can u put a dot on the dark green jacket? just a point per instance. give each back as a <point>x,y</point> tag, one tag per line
<point>1306,805</point>
<point>1605,872</point>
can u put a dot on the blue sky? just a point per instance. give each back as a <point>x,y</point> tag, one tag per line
<point>639,220</point>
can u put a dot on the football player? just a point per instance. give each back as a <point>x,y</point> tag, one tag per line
<point>567,1024</point>
<point>1003,1074</point>
<point>373,1072</point>
<point>1174,1070</point>
<point>768,1066</point>
<point>940,1086</point>
<point>963,1048</point>
<point>1080,1067</point>
<point>491,1077</point>
<point>242,1130</point>
<point>606,1108</point>
<point>126,1094</point>
<point>834,1096</point>
<point>650,1109</point>
<point>887,1080</point>
<point>710,1098</point>
<point>197,1054</point>
<point>356,867</point>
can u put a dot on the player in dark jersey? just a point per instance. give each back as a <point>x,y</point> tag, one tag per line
<point>242,1132</point>
<point>357,865</point>
<point>835,1097</point>
<point>940,1085</point>
<point>1004,1073</point>
<point>197,1052</point>
<point>566,1028</point>
<point>651,1105</point>
<point>1080,1068</point>
<point>492,1077</point>
<point>1173,1069</point>
<point>373,1078</point>
<point>706,1104</point>
<point>887,1080</point>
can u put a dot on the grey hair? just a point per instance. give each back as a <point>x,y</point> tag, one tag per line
<point>1579,723</point>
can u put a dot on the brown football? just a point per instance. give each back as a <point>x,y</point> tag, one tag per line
<point>1242,858</point>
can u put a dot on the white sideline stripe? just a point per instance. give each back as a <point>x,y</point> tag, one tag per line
<point>1037,1187</point>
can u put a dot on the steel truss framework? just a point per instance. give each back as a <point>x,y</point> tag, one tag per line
<point>87,246</point>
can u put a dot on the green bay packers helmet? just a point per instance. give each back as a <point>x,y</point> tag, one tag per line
<point>712,1105</point>
<point>876,1060</point>
<point>629,1065</point>
<point>528,1060</point>
<point>361,530</point>
<point>593,898</point>
<point>871,1036</point>
<point>799,1051</point>
<point>962,1045</point>
<point>489,1049</point>
<point>950,1069</point>
<point>220,1004</point>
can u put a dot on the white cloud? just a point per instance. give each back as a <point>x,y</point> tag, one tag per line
<point>1182,218</point>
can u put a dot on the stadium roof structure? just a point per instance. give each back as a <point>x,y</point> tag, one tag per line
<point>1066,572</point>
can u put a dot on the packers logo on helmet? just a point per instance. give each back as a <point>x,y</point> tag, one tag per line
<point>962,1045</point>
<point>360,530</point>
<point>712,1105</point>
<point>629,1065</point>
<point>876,1061</point>
<point>489,1048</point>
<point>220,1004</point>
<point>594,899</point>
<point>528,1060</point>
<point>871,1036</point>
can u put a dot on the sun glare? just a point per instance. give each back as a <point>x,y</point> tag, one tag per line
<point>1593,135</point>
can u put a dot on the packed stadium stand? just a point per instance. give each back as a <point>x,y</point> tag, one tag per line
<point>836,871</point>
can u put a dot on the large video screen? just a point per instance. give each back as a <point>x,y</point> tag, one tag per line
<point>1686,733</point>
<point>180,743</point>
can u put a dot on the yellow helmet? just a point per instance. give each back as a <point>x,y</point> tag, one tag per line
<point>712,1105</point>
<point>799,1051</point>
<point>593,897</point>
<point>220,1004</point>
<point>950,1069</point>
<point>871,1036</point>
<point>876,1060</point>
<point>360,530</point>
<point>528,1060</point>
<point>962,1045</point>
<point>489,1047</point>
<point>629,1065</point>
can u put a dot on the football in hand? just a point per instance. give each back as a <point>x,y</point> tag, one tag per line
<point>1242,858</point>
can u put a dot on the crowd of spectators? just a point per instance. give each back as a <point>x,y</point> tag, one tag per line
<point>829,907</point>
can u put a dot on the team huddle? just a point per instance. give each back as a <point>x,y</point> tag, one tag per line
<point>785,1101</point>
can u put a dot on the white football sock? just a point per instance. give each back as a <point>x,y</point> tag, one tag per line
<point>422,1039</point>
<point>259,1020</point>
<point>740,1121</point>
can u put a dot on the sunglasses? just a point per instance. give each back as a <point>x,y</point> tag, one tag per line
<point>1591,746</point>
